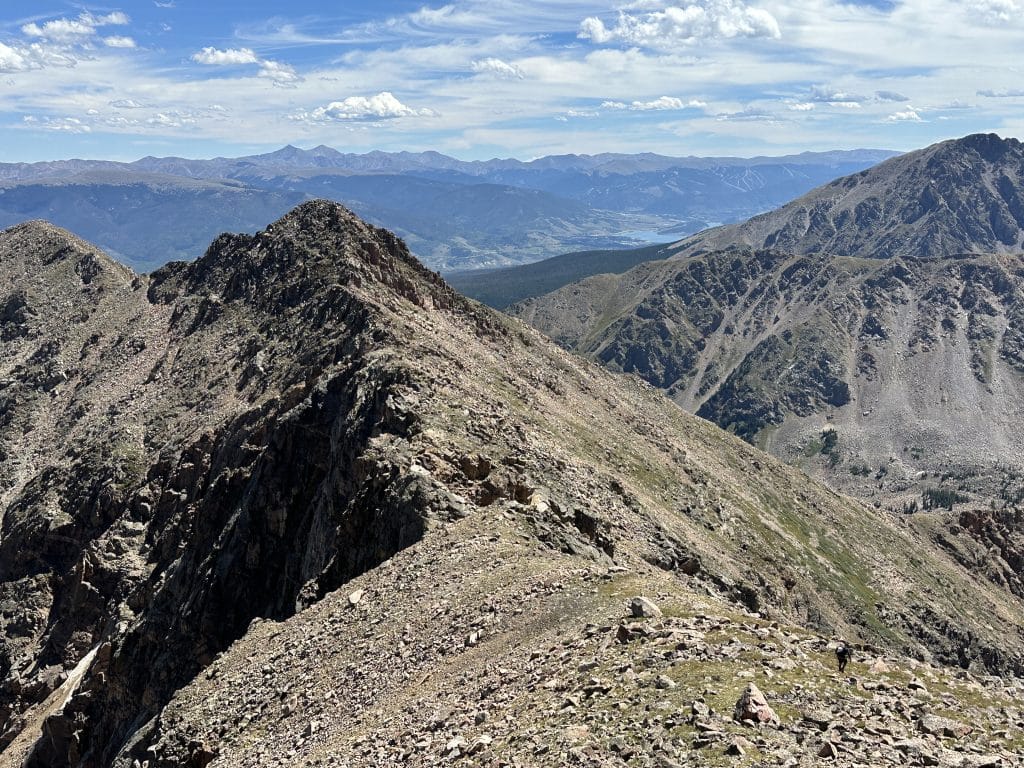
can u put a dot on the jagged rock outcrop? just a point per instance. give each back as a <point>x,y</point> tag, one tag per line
<point>203,465</point>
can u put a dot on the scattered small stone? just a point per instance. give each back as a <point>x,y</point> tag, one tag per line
<point>828,751</point>
<point>739,746</point>
<point>664,682</point>
<point>943,726</point>
<point>879,667</point>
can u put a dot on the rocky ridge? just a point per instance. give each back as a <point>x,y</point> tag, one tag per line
<point>958,196</point>
<point>589,684</point>
<point>305,452</point>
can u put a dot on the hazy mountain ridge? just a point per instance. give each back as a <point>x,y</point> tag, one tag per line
<point>454,214</point>
<point>322,157</point>
<point>238,437</point>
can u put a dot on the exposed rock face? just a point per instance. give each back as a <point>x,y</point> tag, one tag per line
<point>242,452</point>
<point>892,344</point>
<point>192,459</point>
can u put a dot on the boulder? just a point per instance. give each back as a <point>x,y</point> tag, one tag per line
<point>752,707</point>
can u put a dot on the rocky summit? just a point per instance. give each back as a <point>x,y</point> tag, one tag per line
<point>299,504</point>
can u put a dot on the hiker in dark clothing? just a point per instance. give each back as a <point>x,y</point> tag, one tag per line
<point>843,654</point>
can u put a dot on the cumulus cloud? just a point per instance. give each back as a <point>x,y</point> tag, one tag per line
<point>675,25</point>
<point>74,30</point>
<point>659,104</point>
<point>800,106</point>
<point>279,74</point>
<point>383,106</point>
<point>909,115</point>
<point>22,58</point>
<point>497,67</point>
<point>213,57</point>
<point>60,42</point>
<point>13,60</point>
<point>164,120</point>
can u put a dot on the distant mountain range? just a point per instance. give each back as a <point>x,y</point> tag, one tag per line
<point>453,214</point>
<point>871,331</point>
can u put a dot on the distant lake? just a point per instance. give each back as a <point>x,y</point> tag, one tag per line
<point>647,236</point>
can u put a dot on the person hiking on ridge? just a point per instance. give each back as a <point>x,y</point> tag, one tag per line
<point>843,654</point>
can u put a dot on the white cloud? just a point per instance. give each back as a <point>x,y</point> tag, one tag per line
<point>213,57</point>
<point>118,41</point>
<point>61,42</point>
<point>127,104</point>
<point>675,25</point>
<point>60,30</point>
<point>1007,93</point>
<point>116,18</point>
<point>800,106</point>
<point>25,58</point>
<point>890,96</point>
<point>279,74</point>
<point>74,30</point>
<point>175,118</point>
<point>750,114</point>
<point>58,124</point>
<point>383,106</point>
<point>164,121</point>
<point>994,11</point>
<point>825,93</point>
<point>13,60</point>
<point>660,104</point>
<point>909,115</point>
<point>577,113</point>
<point>497,67</point>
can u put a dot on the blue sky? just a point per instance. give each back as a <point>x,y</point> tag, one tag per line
<point>503,78</point>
